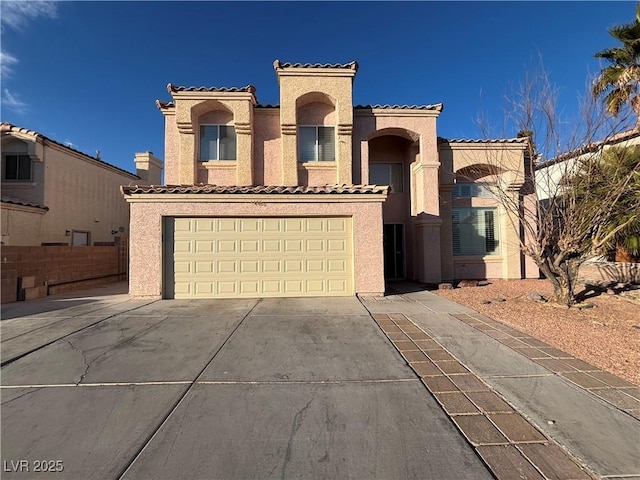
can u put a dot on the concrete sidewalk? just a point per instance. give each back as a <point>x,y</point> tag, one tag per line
<point>591,414</point>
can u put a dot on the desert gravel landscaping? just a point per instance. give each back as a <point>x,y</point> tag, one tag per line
<point>606,335</point>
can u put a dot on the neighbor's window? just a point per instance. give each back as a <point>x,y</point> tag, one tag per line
<point>17,167</point>
<point>475,231</point>
<point>217,142</point>
<point>471,190</point>
<point>387,174</point>
<point>316,144</point>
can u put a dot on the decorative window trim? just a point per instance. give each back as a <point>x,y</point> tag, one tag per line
<point>232,143</point>
<point>321,153</point>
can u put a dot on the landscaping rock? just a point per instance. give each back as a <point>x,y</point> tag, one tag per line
<point>536,297</point>
<point>498,299</point>
<point>467,283</point>
<point>445,286</point>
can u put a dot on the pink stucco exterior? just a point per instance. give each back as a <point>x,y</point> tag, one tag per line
<point>267,154</point>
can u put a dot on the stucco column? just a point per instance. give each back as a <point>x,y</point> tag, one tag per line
<point>510,248</point>
<point>427,244</point>
<point>345,164</point>
<point>446,233</point>
<point>289,140</point>
<point>244,154</point>
<point>187,157</point>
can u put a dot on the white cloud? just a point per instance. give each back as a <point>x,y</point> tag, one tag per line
<point>16,14</point>
<point>7,61</point>
<point>13,102</point>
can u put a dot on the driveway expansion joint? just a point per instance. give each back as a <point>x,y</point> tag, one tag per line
<point>504,439</point>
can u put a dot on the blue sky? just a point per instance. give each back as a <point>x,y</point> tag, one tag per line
<point>88,73</point>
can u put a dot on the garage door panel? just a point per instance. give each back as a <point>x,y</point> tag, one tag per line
<point>261,257</point>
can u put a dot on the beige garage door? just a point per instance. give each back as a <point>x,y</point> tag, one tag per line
<point>258,257</point>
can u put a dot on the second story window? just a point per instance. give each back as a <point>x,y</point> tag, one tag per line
<point>471,190</point>
<point>217,142</point>
<point>387,174</point>
<point>316,144</point>
<point>17,168</point>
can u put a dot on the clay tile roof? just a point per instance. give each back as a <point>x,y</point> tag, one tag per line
<point>17,201</point>
<point>435,106</point>
<point>482,140</point>
<point>256,189</point>
<point>351,65</point>
<point>162,105</point>
<point>177,88</point>
<point>8,128</point>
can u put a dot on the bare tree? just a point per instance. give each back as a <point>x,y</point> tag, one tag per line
<point>564,197</point>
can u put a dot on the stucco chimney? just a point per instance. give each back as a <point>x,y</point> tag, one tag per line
<point>148,168</point>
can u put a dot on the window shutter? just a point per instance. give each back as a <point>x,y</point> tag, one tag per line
<point>455,219</point>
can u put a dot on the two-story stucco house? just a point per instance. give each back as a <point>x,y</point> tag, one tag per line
<point>315,196</point>
<point>55,195</point>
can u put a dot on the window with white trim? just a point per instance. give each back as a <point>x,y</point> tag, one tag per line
<point>217,142</point>
<point>471,190</point>
<point>475,231</point>
<point>316,144</point>
<point>387,174</point>
<point>16,167</point>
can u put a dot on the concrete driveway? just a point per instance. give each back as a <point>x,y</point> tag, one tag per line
<point>217,389</point>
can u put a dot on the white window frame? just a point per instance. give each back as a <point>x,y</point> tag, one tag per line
<point>17,179</point>
<point>475,222</point>
<point>217,152</point>
<point>316,157</point>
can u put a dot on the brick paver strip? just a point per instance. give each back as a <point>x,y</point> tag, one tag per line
<point>456,403</point>
<point>618,398</point>
<point>477,410</point>
<point>581,365</point>
<point>584,380</point>
<point>439,384</point>
<point>534,342</point>
<point>418,336</point>
<point>425,369</point>
<point>555,365</point>
<point>403,345</point>
<point>468,383</point>
<point>398,336</point>
<point>451,367</point>
<point>439,355</point>
<point>413,356</point>
<point>554,352</point>
<point>497,334</point>
<point>489,402</point>
<point>611,380</point>
<point>531,352</point>
<point>479,430</point>
<point>634,392</point>
<point>553,462</point>
<point>507,463</point>
<point>428,344</point>
<point>516,428</point>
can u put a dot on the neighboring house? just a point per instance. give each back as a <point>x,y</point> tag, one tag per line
<point>550,174</point>
<point>55,195</point>
<point>316,196</point>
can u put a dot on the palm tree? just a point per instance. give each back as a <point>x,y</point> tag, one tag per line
<point>618,82</point>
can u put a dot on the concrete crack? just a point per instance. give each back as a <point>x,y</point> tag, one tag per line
<point>84,360</point>
<point>297,423</point>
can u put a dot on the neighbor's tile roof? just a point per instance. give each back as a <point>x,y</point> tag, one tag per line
<point>482,140</point>
<point>256,189</point>
<point>9,128</point>
<point>24,203</point>
<point>350,65</point>
<point>435,106</point>
<point>171,88</point>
